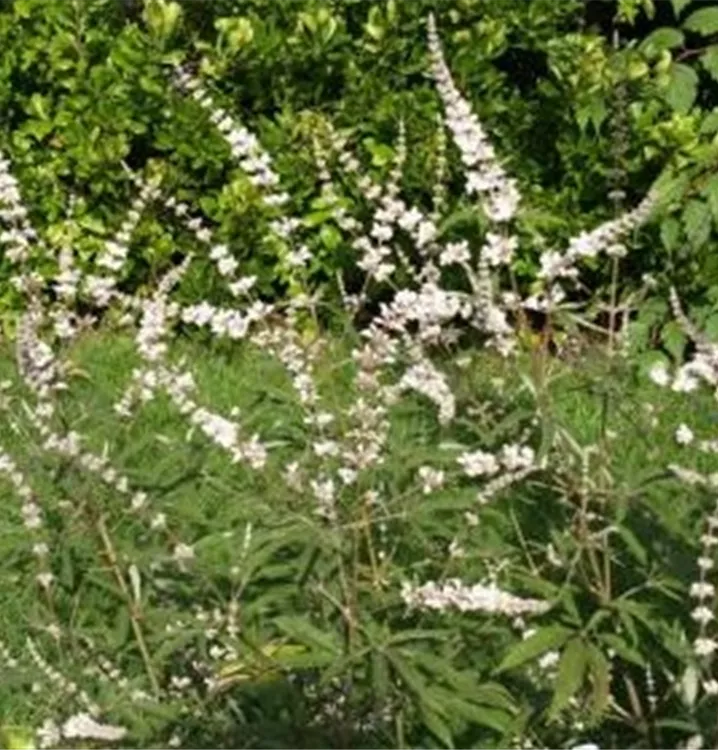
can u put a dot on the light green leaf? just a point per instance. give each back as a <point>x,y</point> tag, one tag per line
<point>703,21</point>
<point>697,222</point>
<point>709,60</point>
<point>235,32</point>
<point>17,737</point>
<point>373,27</point>
<point>679,5</point>
<point>161,17</point>
<point>710,123</point>
<point>682,87</point>
<point>330,236</point>
<point>660,39</point>
<point>594,111</point>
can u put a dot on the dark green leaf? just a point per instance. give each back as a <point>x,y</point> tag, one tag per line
<point>571,670</point>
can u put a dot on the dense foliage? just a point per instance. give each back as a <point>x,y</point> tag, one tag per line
<point>85,86</point>
<point>333,414</point>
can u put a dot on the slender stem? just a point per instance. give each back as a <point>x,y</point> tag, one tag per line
<point>613,309</point>
<point>131,604</point>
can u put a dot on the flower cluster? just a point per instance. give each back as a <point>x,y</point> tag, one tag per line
<point>477,598</point>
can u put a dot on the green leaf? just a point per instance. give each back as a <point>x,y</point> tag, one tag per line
<point>711,193</point>
<point>381,154</point>
<point>304,632</point>
<point>670,233</point>
<point>697,222</point>
<point>161,17</point>
<point>710,122</point>
<point>436,724</point>
<point>467,709</point>
<point>632,543</point>
<point>682,87</point>
<point>626,652</point>
<point>330,237</point>
<point>381,682</point>
<point>660,39</point>
<point>709,60</point>
<point>594,111</point>
<point>679,5</point>
<point>674,340</point>
<point>17,737</point>
<point>571,671</point>
<point>411,677</point>
<point>235,32</point>
<point>703,21</point>
<point>373,27</point>
<point>315,218</point>
<point>542,640</point>
<point>600,671</point>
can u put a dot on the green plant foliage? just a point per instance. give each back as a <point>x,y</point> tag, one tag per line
<point>88,82</point>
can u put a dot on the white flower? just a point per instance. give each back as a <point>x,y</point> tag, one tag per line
<point>499,249</point>
<point>684,435</point>
<point>326,448</point>
<point>45,579</point>
<point>517,457</point>
<point>455,252</point>
<point>659,374</point>
<point>711,687</point>
<point>477,598</point>
<point>548,660</point>
<point>227,266</point>
<point>478,463</point>
<point>84,727</point>
<point>183,553</point>
<point>702,590</point>
<point>695,742</point>
<point>432,479</point>
<point>48,735</point>
<point>702,615</point>
<point>704,646</point>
